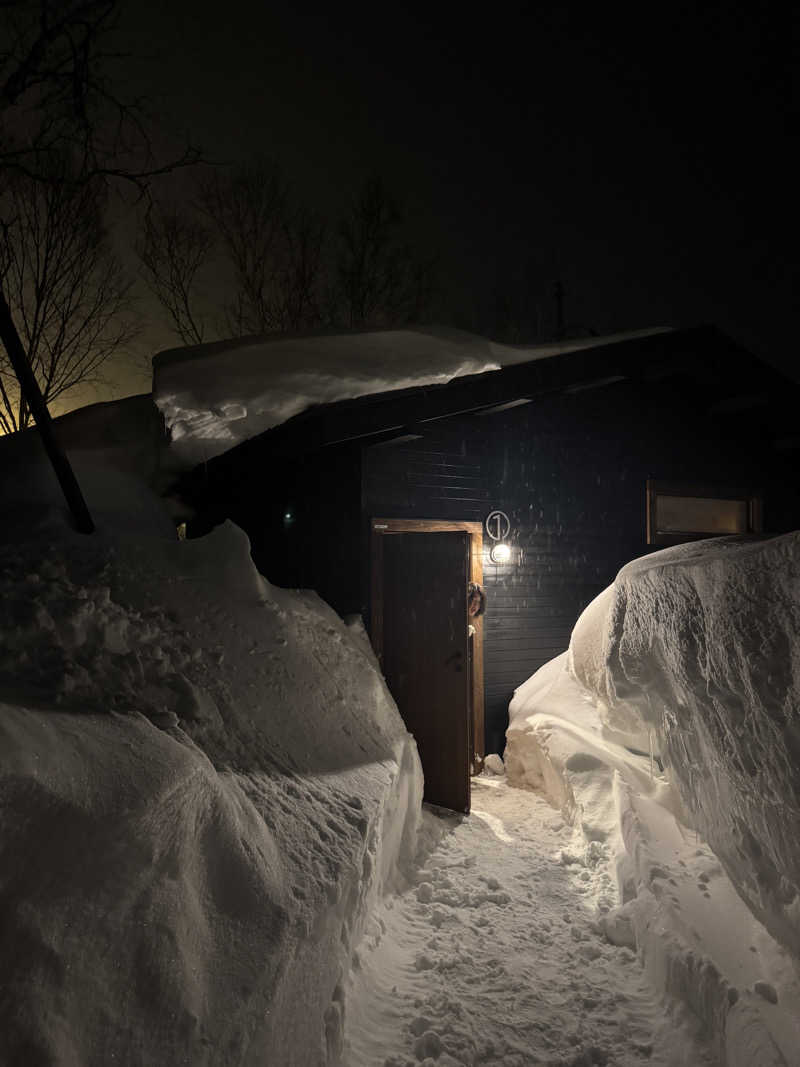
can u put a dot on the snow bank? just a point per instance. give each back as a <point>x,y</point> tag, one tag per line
<point>692,653</point>
<point>204,785</point>
<point>557,744</point>
<point>702,643</point>
<point>214,396</point>
<point>698,940</point>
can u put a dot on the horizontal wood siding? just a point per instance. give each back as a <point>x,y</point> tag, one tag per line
<point>437,477</point>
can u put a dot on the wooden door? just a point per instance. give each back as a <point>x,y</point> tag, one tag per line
<point>425,654</point>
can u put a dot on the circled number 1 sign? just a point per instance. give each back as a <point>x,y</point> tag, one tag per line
<point>498,525</point>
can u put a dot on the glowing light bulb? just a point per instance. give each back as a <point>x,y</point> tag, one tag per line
<point>500,553</point>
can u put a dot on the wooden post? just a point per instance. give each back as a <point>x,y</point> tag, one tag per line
<point>44,424</point>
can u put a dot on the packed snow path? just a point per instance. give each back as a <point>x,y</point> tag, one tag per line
<point>492,957</point>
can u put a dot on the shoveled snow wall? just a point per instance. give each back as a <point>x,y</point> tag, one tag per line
<point>203,783</point>
<point>699,647</point>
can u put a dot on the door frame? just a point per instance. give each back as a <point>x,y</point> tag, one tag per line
<point>381,526</point>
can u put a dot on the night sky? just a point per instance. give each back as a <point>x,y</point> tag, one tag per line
<point>642,158</point>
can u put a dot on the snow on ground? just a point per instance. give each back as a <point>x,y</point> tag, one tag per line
<point>214,396</point>
<point>203,782</point>
<point>497,954</point>
<point>689,654</point>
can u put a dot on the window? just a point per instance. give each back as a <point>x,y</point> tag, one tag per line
<point>684,513</point>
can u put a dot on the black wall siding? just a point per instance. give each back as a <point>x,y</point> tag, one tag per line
<point>436,477</point>
<point>544,465</point>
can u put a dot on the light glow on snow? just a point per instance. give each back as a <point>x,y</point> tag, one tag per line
<point>494,824</point>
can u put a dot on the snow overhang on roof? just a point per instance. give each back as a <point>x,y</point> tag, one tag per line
<point>218,395</point>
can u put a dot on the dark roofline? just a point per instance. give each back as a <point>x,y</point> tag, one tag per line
<point>702,352</point>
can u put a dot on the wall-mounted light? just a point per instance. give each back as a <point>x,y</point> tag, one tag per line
<point>500,553</point>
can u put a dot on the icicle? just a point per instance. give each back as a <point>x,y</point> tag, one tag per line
<point>650,736</point>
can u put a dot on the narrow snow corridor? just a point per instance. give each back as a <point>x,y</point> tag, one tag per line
<point>492,957</point>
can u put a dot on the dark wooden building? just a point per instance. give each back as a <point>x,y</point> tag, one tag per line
<point>595,456</point>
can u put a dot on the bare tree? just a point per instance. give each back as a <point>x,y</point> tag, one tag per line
<point>57,104</point>
<point>276,269</point>
<point>299,272</point>
<point>248,207</point>
<point>421,286</point>
<point>369,262</point>
<point>56,98</point>
<point>64,285</point>
<point>379,279</point>
<point>174,247</point>
<point>266,250</point>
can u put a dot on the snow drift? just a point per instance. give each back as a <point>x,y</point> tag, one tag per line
<point>701,644</point>
<point>691,654</point>
<point>204,785</point>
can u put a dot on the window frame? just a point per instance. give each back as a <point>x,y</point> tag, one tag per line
<point>753,498</point>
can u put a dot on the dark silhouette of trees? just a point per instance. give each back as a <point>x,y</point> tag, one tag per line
<point>273,245</point>
<point>57,99</point>
<point>173,248</point>
<point>265,253</point>
<point>278,265</point>
<point>65,287</point>
<point>301,271</point>
<point>248,208</point>
<point>380,279</point>
<point>62,122</point>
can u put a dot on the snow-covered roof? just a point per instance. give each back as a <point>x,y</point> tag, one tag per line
<point>215,396</point>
